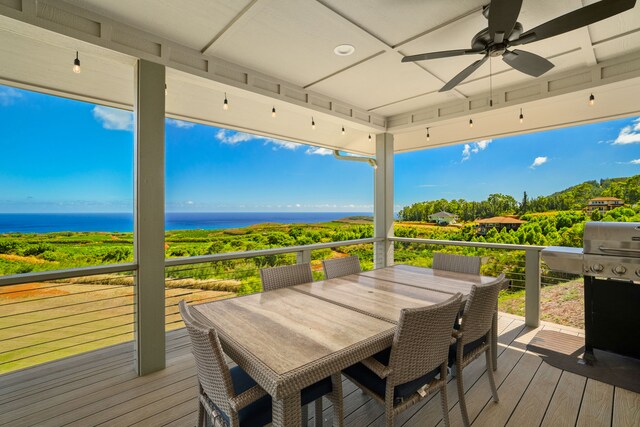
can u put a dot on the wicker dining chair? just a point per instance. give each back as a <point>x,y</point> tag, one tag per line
<point>284,276</point>
<point>457,263</point>
<point>416,363</point>
<point>341,266</point>
<point>229,396</point>
<point>475,336</point>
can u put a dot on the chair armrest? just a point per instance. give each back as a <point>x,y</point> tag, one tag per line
<point>378,368</point>
<point>456,334</point>
<point>246,397</point>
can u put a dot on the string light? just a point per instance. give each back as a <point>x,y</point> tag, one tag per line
<point>592,100</point>
<point>369,137</point>
<point>313,124</point>
<point>225,104</point>
<point>343,132</point>
<point>76,64</point>
<point>470,123</point>
<point>165,89</point>
<point>427,134</point>
<point>521,116</point>
<point>273,112</point>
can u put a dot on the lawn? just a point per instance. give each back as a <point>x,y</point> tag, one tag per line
<point>562,304</point>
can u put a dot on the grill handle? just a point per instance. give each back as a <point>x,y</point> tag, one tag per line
<point>615,251</point>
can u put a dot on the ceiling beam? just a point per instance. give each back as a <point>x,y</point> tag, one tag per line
<point>542,88</point>
<point>89,27</point>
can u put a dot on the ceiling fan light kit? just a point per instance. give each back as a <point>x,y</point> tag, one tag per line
<point>504,31</point>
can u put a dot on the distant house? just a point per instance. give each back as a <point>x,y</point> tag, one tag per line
<point>443,218</point>
<point>498,222</point>
<point>603,204</point>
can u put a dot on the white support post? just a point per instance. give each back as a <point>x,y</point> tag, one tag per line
<point>532,288</point>
<point>149,217</point>
<point>383,201</point>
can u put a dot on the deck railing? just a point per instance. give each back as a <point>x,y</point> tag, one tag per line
<point>53,314</point>
<point>77,312</point>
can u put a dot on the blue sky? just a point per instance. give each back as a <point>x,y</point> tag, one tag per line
<point>60,155</point>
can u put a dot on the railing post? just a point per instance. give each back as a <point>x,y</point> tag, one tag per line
<point>303,257</point>
<point>532,288</point>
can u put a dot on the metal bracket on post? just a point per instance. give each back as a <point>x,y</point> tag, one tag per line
<point>532,288</point>
<point>303,257</point>
<point>383,201</point>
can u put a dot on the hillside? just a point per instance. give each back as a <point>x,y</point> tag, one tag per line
<point>576,197</point>
<point>572,198</point>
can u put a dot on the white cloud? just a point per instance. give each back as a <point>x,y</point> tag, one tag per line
<point>538,161</point>
<point>319,151</point>
<point>474,148</point>
<point>428,185</point>
<point>629,134</point>
<point>635,162</point>
<point>287,145</point>
<point>483,144</point>
<point>227,137</point>
<point>466,152</point>
<point>232,137</point>
<point>112,118</point>
<point>8,96</point>
<point>180,124</point>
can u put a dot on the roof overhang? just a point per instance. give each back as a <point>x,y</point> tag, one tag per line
<point>38,40</point>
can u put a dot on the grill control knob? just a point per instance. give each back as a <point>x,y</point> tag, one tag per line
<point>597,268</point>
<point>619,270</point>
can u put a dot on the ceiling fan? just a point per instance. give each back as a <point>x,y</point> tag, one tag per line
<point>505,31</point>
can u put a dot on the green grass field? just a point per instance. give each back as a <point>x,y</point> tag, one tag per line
<point>46,321</point>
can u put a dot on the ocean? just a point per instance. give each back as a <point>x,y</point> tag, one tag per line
<point>123,222</point>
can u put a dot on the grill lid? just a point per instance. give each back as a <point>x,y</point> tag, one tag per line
<point>619,239</point>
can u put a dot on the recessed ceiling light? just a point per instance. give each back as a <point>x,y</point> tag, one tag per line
<point>344,50</point>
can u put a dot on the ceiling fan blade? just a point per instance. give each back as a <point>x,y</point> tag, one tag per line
<point>577,19</point>
<point>442,54</point>
<point>527,62</point>
<point>503,15</point>
<point>463,74</point>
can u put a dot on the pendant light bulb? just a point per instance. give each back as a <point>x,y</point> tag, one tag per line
<point>592,100</point>
<point>273,112</point>
<point>470,123</point>
<point>428,137</point>
<point>521,116</point>
<point>76,64</point>
<point>225,104</point>
<point>369,137</point>
<point>343,132</point>
<point>313,124</point>
<point>165,89</point>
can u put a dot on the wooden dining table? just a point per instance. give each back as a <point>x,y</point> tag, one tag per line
<point>290,338</point>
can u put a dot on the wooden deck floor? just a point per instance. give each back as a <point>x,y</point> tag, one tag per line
<point>100,388</point>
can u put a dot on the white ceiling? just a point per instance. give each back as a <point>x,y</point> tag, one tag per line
<point>293,40</point>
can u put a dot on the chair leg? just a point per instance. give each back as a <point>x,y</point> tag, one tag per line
<point>494,340</point>
<point>461,398</point>
<point>336,399</point>
<point>201,414</point>
<point>388,405</point>
<point>318,414</point>
<point>305,415</point>
<point>443,397</point>
<point>490,370</point>
<point>445,406</point>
